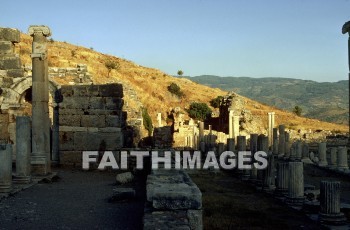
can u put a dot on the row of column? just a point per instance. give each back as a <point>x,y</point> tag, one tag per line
<point>23,150</point>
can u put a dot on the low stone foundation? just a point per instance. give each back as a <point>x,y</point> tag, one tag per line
<point>173,201</point>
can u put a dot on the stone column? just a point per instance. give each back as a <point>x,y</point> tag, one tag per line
<point>242,146</point>
<point>330,204</point>
<point>282,141</point>
<point>201,131</point>
<point>159,119</point>
<point>269,174</point>
<point>296,184</point>
<point>263,145</point>
<point>305,154</point>
<point>298,150</point>
<point>287,146</point>
<point>282,179</point>
<point>342,158</point>
<point>293,153</point>
<point>322,150</point>
<point>221,148</point>
<point>271,117</point>
<point>55,137</point>
<point>40,96</point>
<point>230,123</point>
<point>235,126</point>
<point>23,149</point>
<point>275,141</point>
<point>333,160</point>
<point>231,144</point>
<point>346,29</point>
<point>5,168</point>
<point>253,149</point>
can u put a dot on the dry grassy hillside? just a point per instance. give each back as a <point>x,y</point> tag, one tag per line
<point>151,84</point>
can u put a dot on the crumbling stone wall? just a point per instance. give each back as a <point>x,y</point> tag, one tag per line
<point>90,119</point>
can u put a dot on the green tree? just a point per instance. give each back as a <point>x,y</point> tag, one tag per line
<point>111,65</point>
<point>176,90</point>
<point>215,102</point>
<point>199,111</point>
<point>297,110</point>
<point>147,121</point>
<point>180,72</point>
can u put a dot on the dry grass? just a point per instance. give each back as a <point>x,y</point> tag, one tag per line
<point>151,84</point>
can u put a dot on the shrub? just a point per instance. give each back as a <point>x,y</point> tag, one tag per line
<point>147,121</point>
<point>215,102</point>
<point>297,110</point>
<point>111,65</point>
<point>175,89</point>
<point>199,111</point>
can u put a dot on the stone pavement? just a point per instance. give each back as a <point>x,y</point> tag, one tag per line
<point>79,200</point>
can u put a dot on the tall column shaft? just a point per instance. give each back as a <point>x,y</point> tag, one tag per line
<point>298,150</point>
<point>230,144</point>
<point>23,149</point>
<point>333,158</point>
<point>282,178</point>
<point>55,137</point>
<point>271,117</point>
<point>235,126</point>
<point>287,145</point>
<point>296,183</point>
<point>282,141</point>
<point>275,141</point>
<point>5,168</point>
<point>40,159</point>
<point>253,149</point>
<point>322,150</point>
<point>201,131</point>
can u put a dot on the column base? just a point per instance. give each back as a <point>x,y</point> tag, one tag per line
<point>22,179</point>
<point>5,188</point>
<point>40,165</point>
<point>332,219</point>
<point>306,161</point>
<point>322,164</point>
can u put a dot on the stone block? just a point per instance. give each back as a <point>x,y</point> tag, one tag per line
<point>70,120</point>
<point>195,218</point>
<point>8,34</point>
<point>123,178</point>
<point>166,220</point>
<point>111,90</point>
<point>113,121</point>
<point>66,140</point>
<point>10,63</point>
<point>6,82</point>
<point>93,141</point>
<point>114,103</point>
<point>71,111</point>
<point>72,129</point>
<point>67,91</point>
<point>93,121</point>
<point>96,103</point>
<point>173,190</point>
<point>80,91</point>
<point>93,90</point>
<point>74,103</point>
<point>110,130</point>
<point>15,73</point>
<point>6,47</point>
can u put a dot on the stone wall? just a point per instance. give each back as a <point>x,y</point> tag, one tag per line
<point>10,71</point>
<point>90,118</point>
<point>173,201</point>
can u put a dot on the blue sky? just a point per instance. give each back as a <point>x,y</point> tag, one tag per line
<point>266,38</point>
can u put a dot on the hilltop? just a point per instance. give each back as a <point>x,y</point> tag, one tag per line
<point>150,85</point>
<point>326,101</point>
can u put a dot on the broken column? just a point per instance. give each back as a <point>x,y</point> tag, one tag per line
<point>242,146</point>
<point>342,158</point>
<point>322,150</point>
<point>293,153</point>
<point>201,137</point>
<point>295,195</point>
<point>282,141</point>
<point>271,117</point>
<point>230,144</point>
<point>55,136</point>
<point>330,204</point>
<point>230,123</point>
<point>282,179</point>
<point>23,149</point>
<point>305,154</point>
<point>5,168</point>
<point>235,126</point>
<point>40,96</point>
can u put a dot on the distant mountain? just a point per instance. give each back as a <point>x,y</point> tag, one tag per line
<point>327,101</point>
